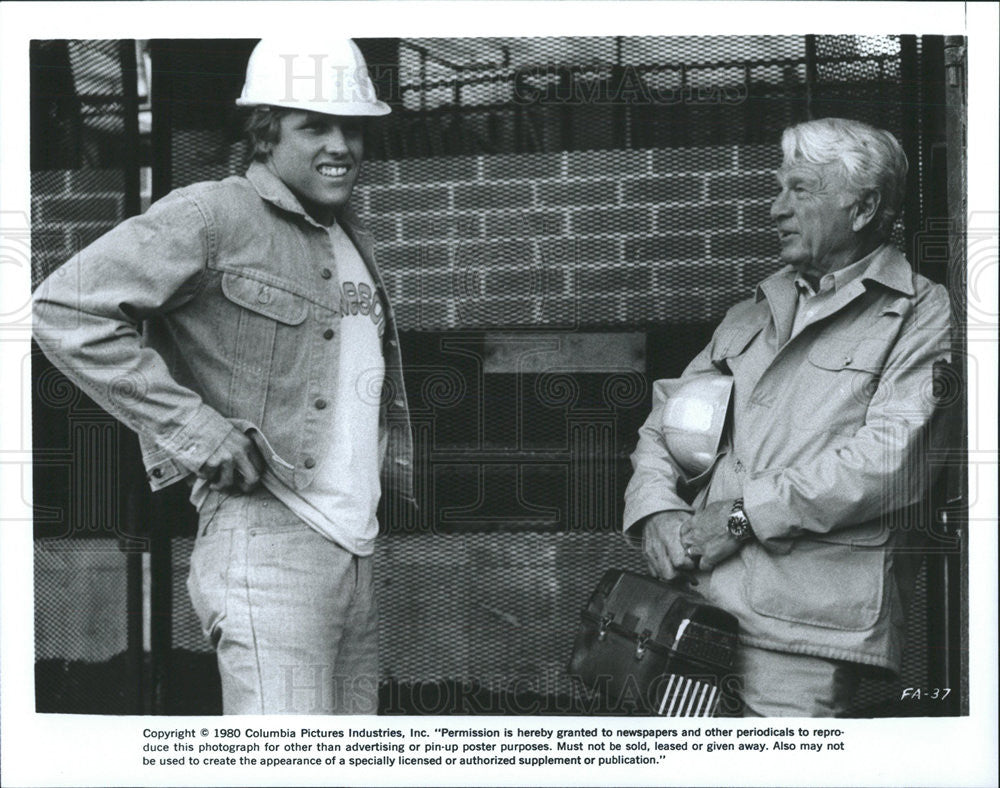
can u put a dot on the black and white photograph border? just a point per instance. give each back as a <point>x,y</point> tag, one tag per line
<point>534,316</point>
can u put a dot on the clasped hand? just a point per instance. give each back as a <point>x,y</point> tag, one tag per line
<point>677,544</point>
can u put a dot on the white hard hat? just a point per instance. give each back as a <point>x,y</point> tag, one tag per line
<point>319,75</point>
<point>693,419</point>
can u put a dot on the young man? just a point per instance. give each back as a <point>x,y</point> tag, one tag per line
<point>831,363</point>
<point>242,329</point>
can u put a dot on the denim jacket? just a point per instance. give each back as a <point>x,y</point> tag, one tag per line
<point>829,450</point>
<point>218,307</point>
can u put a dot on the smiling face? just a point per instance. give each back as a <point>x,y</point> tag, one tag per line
<point>318,158</point>
<point>817,217</point>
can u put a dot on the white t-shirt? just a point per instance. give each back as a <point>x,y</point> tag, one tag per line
<point>342,500</point>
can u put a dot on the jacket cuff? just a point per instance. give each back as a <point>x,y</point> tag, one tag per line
<point>194,443</point>
<point>649,503</point>
<point>163,473</point>
<point>773,521</point>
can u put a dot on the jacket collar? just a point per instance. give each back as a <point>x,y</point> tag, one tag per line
<point>890,268</point>
<point>272,189</point>
<point>886,265</point>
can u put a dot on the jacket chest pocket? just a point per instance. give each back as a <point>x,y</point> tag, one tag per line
<point>843,379</point>
<point>263,298</point>
<point>263,308</point>
<point>729,344</point>
<point>847,354</point>
<point>863,348</point>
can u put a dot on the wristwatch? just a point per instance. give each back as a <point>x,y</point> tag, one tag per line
<point>738,523</point>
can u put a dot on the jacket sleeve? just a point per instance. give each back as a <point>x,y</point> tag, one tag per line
<point>656,475</point>
<point>882,467</point>
<point>87,316</point>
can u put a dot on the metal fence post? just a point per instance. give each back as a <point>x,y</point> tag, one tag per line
<point>954,579</point>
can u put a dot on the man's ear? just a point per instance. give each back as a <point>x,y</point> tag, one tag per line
<point>866,208</point>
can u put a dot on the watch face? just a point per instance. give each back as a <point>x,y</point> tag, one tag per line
<point>739,526</point>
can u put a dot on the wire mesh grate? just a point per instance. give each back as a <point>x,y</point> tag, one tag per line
<point>570,183</point>
<point>523,183</point>
<point>502,610</point>
<point>83,158</point>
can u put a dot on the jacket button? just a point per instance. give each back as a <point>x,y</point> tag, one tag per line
<point>847,360</point>
<point>157,472</point>
<point>328,334</point>
<point>398,404</point>
<point>263,295</point>
<point>320,404</point>
<point>326,273</point>
<point>310,462</point>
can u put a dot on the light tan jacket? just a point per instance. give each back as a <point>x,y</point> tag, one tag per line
<point>829,450</point>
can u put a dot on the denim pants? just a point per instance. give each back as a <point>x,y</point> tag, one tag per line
<point>291,614</point>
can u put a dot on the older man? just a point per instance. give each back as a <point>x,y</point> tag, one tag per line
<point>831,360</point>
<point>267,374</point>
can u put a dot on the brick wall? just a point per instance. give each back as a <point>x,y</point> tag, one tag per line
<point>70,209</point>
<point>561,240</point>
<point>572,239</point>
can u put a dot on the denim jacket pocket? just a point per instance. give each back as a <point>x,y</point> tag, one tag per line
<point>265,298</point>
<point>263,307</point>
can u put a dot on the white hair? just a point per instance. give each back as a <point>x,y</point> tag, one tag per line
<point>871,159</point>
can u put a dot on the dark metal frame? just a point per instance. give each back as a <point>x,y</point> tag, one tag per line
<point>132,207</point>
